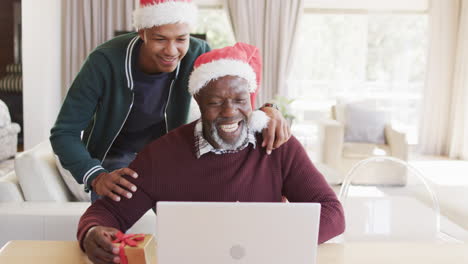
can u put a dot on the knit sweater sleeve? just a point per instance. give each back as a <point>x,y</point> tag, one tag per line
<point>122,215</point>
<point>302,182</point>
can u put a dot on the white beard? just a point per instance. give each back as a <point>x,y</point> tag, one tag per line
<point>230,146</point>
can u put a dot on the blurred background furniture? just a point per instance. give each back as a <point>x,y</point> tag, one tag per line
<point>11,93</point>
<point>11,79</point>
<point>8,133</point>
<point>37,204</point>
<point>357,131</point>
<point>394,213</point>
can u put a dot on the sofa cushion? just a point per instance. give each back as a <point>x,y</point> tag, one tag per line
<point>5,118</point>
<point>75,188</point>
<point>9,140</point>
<point>364,150</point>
<point>363,124</point>
<point>9,189</point>
<point>38,175</point>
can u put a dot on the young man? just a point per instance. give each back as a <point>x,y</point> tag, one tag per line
<point>217,159</point>
<point>130,91</point>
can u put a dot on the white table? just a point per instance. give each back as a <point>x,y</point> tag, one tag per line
<point>392,253</point>
<point>403,214</point>
<point>59,252</point>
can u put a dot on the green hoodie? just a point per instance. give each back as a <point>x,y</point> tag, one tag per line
<point>100,99</point>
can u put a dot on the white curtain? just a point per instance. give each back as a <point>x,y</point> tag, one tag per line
<point>435,127</point>
<point>272,26</point>
<point>459,105</point>
<point>86,24</point>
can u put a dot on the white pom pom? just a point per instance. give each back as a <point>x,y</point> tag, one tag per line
<point>258,121</point>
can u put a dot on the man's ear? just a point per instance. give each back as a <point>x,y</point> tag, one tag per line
<point>197,98</point>
<point>141,33</point>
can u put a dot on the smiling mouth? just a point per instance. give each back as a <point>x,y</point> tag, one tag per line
<point>168,60</point>
<point>230,128</point>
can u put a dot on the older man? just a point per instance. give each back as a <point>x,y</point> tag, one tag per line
<point>215,158</point>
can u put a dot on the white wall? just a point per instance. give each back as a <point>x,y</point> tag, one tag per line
<point>41,33</point>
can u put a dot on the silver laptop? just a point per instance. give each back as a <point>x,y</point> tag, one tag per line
<point>247,233</point>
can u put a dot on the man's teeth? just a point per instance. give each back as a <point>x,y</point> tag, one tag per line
<point>168,60</point>
<point>229,128</point>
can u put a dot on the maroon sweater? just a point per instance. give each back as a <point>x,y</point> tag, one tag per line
<point>169,171</point>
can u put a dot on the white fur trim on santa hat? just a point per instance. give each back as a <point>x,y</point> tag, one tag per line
<point>170,12</point>
<point>219,68</point>
<point>258,121</point>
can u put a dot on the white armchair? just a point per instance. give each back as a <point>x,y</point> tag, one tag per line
<point>8,133</point>
<point>342,155</point>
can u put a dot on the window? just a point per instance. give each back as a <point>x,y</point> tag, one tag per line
<point>358,55</point>
<point>215,24</point>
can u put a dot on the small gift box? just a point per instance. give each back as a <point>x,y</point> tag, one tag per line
<point>136,248</point>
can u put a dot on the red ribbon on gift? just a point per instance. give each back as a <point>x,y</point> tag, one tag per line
<point>124,240</point>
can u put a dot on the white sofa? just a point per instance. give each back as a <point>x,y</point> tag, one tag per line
<point>36,178</point>
<point>35,203</point>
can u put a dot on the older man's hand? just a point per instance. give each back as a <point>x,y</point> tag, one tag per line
<point>98,245</point>
<point>277,132</point>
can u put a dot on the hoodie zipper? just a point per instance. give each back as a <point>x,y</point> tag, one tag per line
<point>169,96</point>
<point>128,73</point>
<point>118,132</point>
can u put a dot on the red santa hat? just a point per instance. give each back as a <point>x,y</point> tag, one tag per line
<point>241,60</point>
<point>161,12</point>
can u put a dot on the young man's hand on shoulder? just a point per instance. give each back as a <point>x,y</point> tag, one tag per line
<point>114,185</point>
<point>277,132</point>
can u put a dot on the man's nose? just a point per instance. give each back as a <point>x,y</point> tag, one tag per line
<point>171,49</point>
<point>229,109</point>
